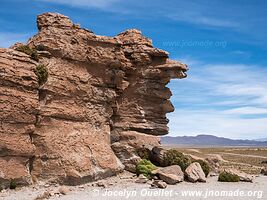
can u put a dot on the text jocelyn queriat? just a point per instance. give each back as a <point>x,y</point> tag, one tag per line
<point>203,194</point>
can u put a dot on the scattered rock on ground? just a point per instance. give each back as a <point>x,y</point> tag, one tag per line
<point>264,171</point>
<point>159,184</point>
<point>171,174</point>
<point>101,184</point>
<point>242,175</point>
<point>214,161</point>
<point>63,190</point>
<point>141,179</point>
<point>211,174</point>
<point>43,196</point>
<point>195,173</point>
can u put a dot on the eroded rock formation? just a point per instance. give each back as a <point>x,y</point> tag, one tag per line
<point>104,97</point>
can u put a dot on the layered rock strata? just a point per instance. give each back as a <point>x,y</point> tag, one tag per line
<point>104,97</point>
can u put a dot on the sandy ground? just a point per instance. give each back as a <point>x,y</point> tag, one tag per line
<point>124,187</point>
<point>243,155</point>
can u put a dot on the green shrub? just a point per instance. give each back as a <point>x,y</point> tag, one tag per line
<point>228,177</point>
<point>143,153</point>
<point>13,185</point>
<point>42,73</point>
<point>145,167</point>
<point>31,52</point>
<point>205,166</point>
<point>174,157</point>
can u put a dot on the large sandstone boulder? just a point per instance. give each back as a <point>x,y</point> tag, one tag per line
<point>126,143</point>
<point>171,174</point>
<point>127,155</point>
<point>100,92</point>
<point>195,173</point>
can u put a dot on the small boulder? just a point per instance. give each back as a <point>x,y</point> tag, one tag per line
<point>45,195</point>
<point>195,173</point>
<point>214,163</point>
<point>242,175</point>
<point>157,155</point>
<point>171,174</point>
<point>228,177</point>
<point>63,190</point>
<point>212,174</point>
<point>159,184</point>
<point>130,167</point>
<point>141,179</point>
<point>101,184</point>
<point>264,171</point>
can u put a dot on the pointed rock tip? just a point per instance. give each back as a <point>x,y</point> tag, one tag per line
<point>133,36</point>
<point>53,19</point>
<point>131,31</point>
<point>179,64</point>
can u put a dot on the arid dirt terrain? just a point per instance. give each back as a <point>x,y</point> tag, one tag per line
<point>124,187</point>
<point>247,159</point>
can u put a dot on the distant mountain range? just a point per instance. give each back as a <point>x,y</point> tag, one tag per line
<point>262,139</point>
<point>210,140</point>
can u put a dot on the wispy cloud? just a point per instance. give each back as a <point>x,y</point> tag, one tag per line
<point>201,19</point>
<point>102,4</point>
<point>193,12</point>
<point>7,39</point>
<point>204,14</point>
<point>223,99</point>
<point>193,122</point>
<point>246,111</point>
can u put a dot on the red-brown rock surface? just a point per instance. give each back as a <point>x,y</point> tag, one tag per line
<point>18,109</point>
<point>100,90</point>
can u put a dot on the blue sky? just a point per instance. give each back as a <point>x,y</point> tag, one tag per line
<point>224,42</point>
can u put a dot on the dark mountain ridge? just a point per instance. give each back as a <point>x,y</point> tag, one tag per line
<point>209,140</point>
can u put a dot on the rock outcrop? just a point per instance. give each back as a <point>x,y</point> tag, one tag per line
<point>157,156</point>
<point>195,173</point>
<point>18,109</point>
<point>101,92</point>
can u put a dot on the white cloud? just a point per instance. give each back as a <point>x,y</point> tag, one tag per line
<point>190,122</point>
<point>257,93</point>
<point>85,3</point>
<point>207,14</point>
<point>246,111</point>
<point>224,100</point>
<point>201,19</point>
<point>7,39</point>
<point>190,12</point>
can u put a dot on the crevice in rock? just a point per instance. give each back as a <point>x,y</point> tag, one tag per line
<point>31,161</point>
<point>31,137</point>
<point>42,95</point>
